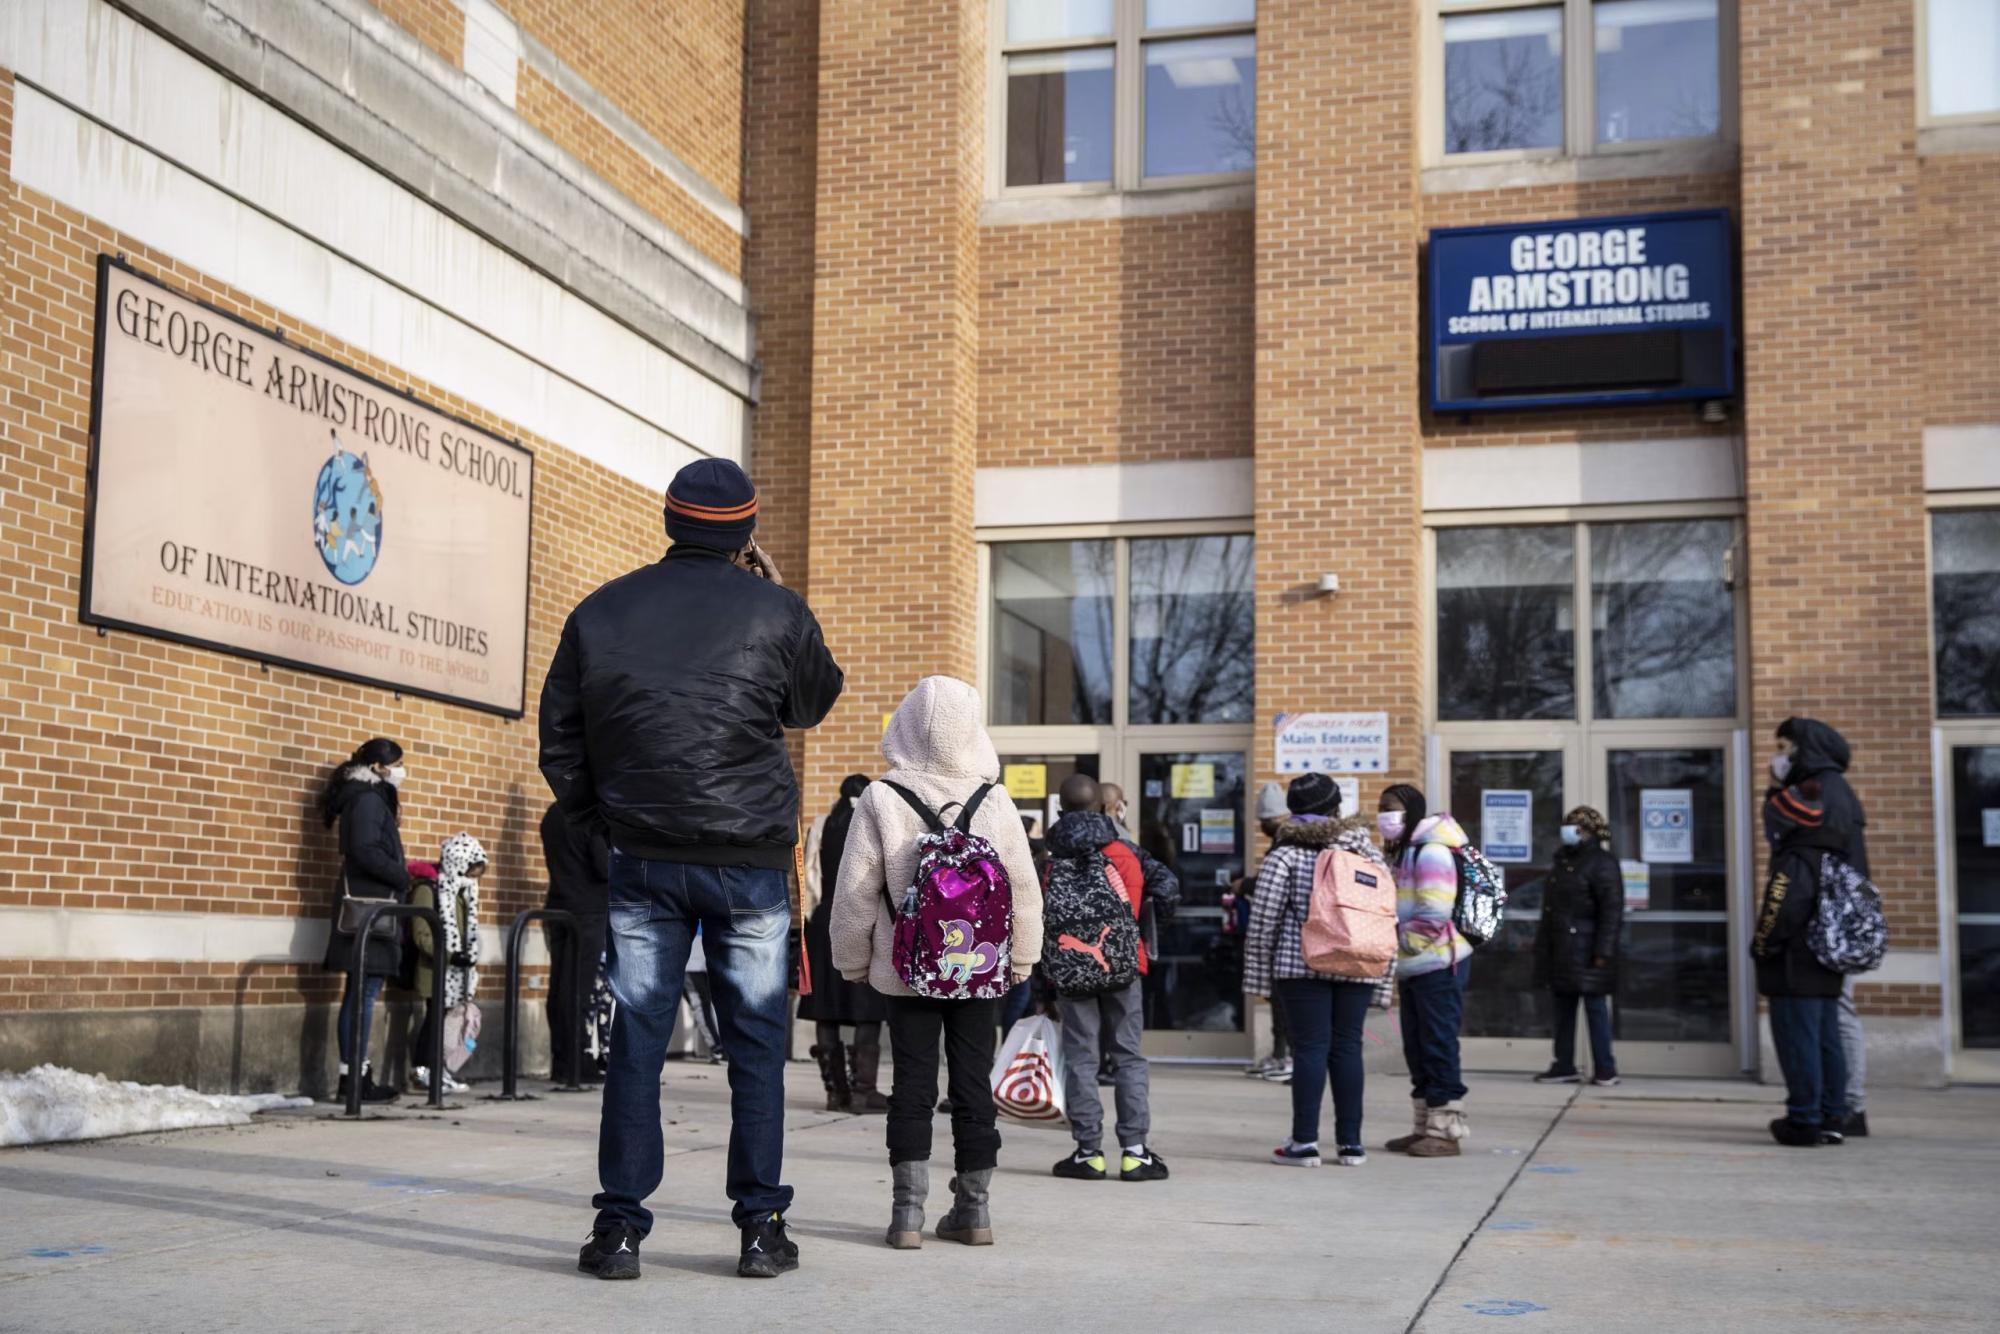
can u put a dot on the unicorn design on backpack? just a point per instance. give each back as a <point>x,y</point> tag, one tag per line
<point>962,956</point>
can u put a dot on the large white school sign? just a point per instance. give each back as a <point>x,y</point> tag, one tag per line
<point>251,497</point>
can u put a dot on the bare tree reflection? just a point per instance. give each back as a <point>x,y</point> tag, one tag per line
<point>1235,120</point>
<point>1502,93</point>
<point>1194,630</point>
<point>1663,646</point>
<point>1506,631</point>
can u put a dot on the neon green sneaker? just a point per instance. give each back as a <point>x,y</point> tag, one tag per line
<point>1083,1165</point>
<point>1145,1165</point>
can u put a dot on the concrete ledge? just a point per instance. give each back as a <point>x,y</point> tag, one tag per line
<point>1498,477</point>
<point>1114,493</point>
<point>1962,458</point>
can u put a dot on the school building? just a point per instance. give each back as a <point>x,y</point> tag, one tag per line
<point>1535,401</point>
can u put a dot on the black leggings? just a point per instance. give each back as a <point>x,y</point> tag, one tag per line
<point>865,1035</point>
<point>967,1030</point>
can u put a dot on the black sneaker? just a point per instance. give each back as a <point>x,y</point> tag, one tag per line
<point>1855,1126</point>
<point>767,1251</point>
<point>611,1253</point>
<point>370,1090</point>
<point>1083,1165</point>
<point>1145,1165</point>
<point>1286,1155</point>
<point>1794,1134</point>
<point>1831,1138</point>
<point>1351,1155</point>
<point>1555,1074</point>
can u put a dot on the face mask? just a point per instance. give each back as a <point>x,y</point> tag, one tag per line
<point>1390,823</point>
<point>1781,765</point>
<point>1571,835</point>
<point>396,776</point>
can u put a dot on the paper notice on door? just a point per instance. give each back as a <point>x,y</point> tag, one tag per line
<point>1506,817</point>
<point>1155,788</point>
<point>1638,885</point>
<point>1218,831</point>
<point>1989,826</point>
<point>1193,782</point>
<point>1190,837</point>
<point>1026,782</point>
<point>1350,795</point>
<point>1666,824</point>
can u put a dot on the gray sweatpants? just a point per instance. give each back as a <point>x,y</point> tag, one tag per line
<point>1111,1025</point>
<point>1853,1045</point>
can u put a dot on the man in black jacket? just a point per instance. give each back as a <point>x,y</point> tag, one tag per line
<point>579,862</point>
<point>1802,994</point>
<point>1816,753</point>
<point>663,724</point>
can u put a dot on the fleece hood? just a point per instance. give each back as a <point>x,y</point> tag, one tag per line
<point>936,730</point>
<point>1820,748</point>
<point>1078,832</point>
<point>1439,828</point>
<point>461,853</point>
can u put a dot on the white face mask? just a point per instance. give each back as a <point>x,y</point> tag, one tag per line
<point>1390,823</point>
<point>1781,765</point>
<point>396,775</point>
<point>1571,835</point>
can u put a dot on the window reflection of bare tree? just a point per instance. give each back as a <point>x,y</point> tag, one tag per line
<point>1505,630</point>
<point>1235,120</point>
<point>1664,645</point>
<point>1967,610</point>
<point>1500,94</point>
<point>1090,620</point>
<point>1194,630</point>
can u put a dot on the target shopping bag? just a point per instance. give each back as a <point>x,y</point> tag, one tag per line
<point>1028,1072</point>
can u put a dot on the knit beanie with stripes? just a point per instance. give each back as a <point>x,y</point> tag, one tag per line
<point>712,503</point>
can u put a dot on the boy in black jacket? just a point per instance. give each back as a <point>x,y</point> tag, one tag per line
<point>1804,994</point>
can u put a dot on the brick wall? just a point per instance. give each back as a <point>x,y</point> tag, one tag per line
<point>438,24</point>
<point>1959,262</point>
<point>1833,319</point>
<point>894,388</point>
<point>1336,366</point>
<point>1115,341</point>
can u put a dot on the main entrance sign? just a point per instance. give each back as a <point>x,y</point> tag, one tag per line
<point>254,498</point>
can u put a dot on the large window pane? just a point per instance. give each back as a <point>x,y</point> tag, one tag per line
<point>1663,620</point>
<point>1975,785</point>
<point>1502,999</point>
<point>1198,13</point>
<point>1656,70</point>
<point>1506,624</point>
<point>1057,20</point>
<point>1193,630</point>
<point>1201,106</point>
<point>1051,632</point>
<point>1503,80</point>
<point>1965,606</point>
<point>1190,816</point>
<point>1059,117</point>
<point>1964,41</point>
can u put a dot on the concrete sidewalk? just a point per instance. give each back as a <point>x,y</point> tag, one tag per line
<point>1661,1205</point>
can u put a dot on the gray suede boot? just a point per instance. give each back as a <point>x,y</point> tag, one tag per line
<point>906,1209</point>
<point>969,1221</point>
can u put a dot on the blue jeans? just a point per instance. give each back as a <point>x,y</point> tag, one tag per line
<point>745,914</point>
<point>1014,1006</point>
<point>1325,1019</point>
<point>1433,1007</point>
<point>370,988</point>
<point>1597,1012</point>
<point>1806,1032</point>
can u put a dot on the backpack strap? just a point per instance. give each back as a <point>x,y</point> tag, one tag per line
<point>971,808</point>
<point>924,813</point>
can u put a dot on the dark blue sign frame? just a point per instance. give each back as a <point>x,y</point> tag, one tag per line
<point>1686,262</point>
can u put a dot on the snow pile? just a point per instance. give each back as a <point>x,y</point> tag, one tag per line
<point>50,1103</point>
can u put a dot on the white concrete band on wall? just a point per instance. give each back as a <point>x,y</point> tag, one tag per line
<point>105,934</point>
<point>1114,493</point>
<point>1962,458</point>
<point>117,123</point>
<point>1499,477</point>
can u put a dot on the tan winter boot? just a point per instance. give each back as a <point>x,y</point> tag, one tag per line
<point>1418,1119</point>
<point>1445,1129</point>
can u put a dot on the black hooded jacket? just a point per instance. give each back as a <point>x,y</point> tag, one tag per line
<point>1797,825</point>
<point>1076,833</point>
<point>371,867</point>
<point>664,713</point>
<point>1822,756</point>
<point>1583,905</point>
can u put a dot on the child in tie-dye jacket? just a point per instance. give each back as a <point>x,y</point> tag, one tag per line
<point>1432,962</point>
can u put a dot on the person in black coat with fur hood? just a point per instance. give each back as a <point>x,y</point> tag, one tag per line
<point>1802,994</point>
<point>361,798</point>
<point>1576,944</point>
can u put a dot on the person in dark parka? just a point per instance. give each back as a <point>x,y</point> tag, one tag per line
<point>361,798</point>
<point>579,862</point>
<point>1802,994</point>
<point>1576,944</point>
<point>849,1073</point>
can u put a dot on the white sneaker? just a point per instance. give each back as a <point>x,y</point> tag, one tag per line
<point>420,1079</point>
<point>1280,1072</point>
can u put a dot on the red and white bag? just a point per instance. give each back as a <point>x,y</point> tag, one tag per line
<point>1028,1072</point>
<point>1350,928</point>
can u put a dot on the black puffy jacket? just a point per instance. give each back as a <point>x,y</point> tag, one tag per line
<point>371,867</point>
<point>1583,905</point>
<point>1823,756</point>
<point>663,715</point>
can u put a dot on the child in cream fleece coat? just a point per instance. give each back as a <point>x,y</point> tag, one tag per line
<point>938,749</point>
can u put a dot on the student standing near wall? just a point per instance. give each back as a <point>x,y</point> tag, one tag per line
<point>361,798</point>
<point>579,862</point>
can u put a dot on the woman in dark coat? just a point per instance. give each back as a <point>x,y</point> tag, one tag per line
<point>361,798</point>
<point>849,1073</point>
<point>1576,945</point>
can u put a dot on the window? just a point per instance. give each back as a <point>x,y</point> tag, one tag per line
<point>1654,74</point>
<point>1961,59</point>
<point>1075,72</point>
<point>1194,629</point>
<point>1659,604</point>
<point>1965,611</point>
<point>1052,632</point>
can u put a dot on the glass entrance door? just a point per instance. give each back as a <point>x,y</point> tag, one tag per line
<point>1975,842</point>
<point>1188,808</point>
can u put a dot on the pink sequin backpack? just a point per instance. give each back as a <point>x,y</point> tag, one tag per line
<point>955,924</point>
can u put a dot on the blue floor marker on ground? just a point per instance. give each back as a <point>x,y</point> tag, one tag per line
<point>58,1253</point>
<point>1503,1306</point>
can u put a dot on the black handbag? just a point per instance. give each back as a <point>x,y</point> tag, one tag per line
<point>354,907</point>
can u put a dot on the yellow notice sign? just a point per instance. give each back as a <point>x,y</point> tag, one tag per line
<point>1026,782</point>
<point>1194,782</point>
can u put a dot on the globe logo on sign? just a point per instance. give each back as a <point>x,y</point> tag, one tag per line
<point>347,516</point>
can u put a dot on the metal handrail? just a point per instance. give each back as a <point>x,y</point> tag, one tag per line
<point>510,1029</point>
<point>358,979</point>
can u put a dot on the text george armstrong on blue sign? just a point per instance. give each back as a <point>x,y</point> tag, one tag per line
<point>1583,276</point>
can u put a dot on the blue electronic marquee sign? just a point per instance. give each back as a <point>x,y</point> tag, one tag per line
<point>1629,309</point>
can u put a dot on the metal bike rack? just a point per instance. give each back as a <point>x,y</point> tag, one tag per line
<point>510,1029</point>
<point>364,1013</point>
